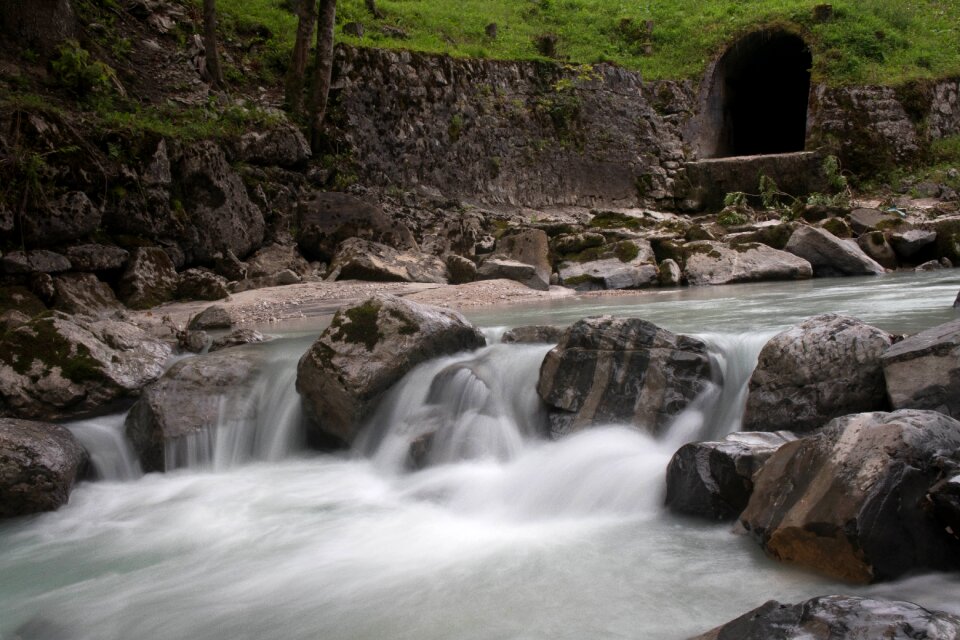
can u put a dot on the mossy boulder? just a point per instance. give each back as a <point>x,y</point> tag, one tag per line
<point>366,349</point>
<point>708,263</point>
<point>59,366</point>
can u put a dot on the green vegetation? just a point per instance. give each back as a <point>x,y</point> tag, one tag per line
<point>40,341</point>
<point>362,326</point>
<point>731,217</point>
<point>881,41</point>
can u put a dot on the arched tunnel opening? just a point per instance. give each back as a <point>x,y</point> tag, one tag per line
<point>761,88</point>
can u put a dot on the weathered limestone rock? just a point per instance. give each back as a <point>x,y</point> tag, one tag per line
<point>867,220</point>
<point>829,255</point>
<point>39,464</point>
<point>835,617</point>
<point>69,217</point>
<point>710,263</point>
<point>237,338</point>
<point>629,264</point>
<point>910,242</point>
<point>461,270</point>
<point>931,265</point>
<point>97,257</point>
<point>213,317</point>
<point>715,479</point>
<point>923,371</point>
<point>534,334</point>
<point>281,146</point>
<point>827,366</point>
<point>528,246</point>
<point>189,401</point>
<point>149,279</point>
<point>326,219</point>
<point>200,284</point>
<point>576,242</point>
<point>507,269</point>
<point>621,370</point>
<point>273,259</point>
<point>849,501</point>
<point>61,366</point>
<point>670,274</point>
<point>21,299</point>
<point>36,261</point>
<point>875,245</point>
<point>83,293</point>
<point>359,259</point>
<point>366,349</point>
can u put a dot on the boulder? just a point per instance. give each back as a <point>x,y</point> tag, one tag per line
<point>948,238</point>
<point>527,246</point>
<point>944,498</point>
<point>201,284</point>
<point>875,245</point>
<point>273,259</point>
<point>461,270</point>
<point>281,146</point>
<point>325,219</point>
<point>850,500</point>
<point>629,264</point>
<point>366,349</point>
<point>670,274</point>
<point>827,366</point>
<point>189,401</point>
<point>709,263</point>
<point>213,317</point>
<point>923,371</point>
<point>867,220</point>
<point>621,370</point>
<point>21,299</point>
<point>576,242</point>
<point>11,319</point>
<point>931,265</point>
<point>69,217</point>
<point>237,338</point>
<point>912,241</point>
<point>359,259</point>
<point>97,257</point>
<point>535,334</point>
<point>506,269</point>
<point>714,480</point>
<point>39,464</point>
<point>59,366</point>
<point>83,293</point>
<point>36,261</point>
<point>220,214</point>
<point>149,279</point>
<point>836,617</point>
<point>279,279</point>
<point>829,255</point>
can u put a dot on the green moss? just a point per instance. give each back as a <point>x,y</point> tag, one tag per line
<point>40,340</point>
<point>614,220</point>
<point>890,223</point>
<point>20,299</point>
<point>731,218</point>
<point>626,251</point>
<point>837,227</point>
<point>362,327</point>
<point>587,255</point>
<point>576,281</point>
<point>702,249</point>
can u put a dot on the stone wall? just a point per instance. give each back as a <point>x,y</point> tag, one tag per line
<point>944,119</point>
<point>519,133</point>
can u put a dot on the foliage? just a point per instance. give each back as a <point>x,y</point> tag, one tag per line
<point>789,206</point>
<point>731,217</point>
<point>80,74</point>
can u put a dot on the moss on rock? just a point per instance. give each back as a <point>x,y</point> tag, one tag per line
<point>40,341</point>
<point>362,327</point>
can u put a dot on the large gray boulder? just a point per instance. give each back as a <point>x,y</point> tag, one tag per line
<point>499,268</point>
<point>366,349</point>
<point>709,263</point>
<point>359,259</point>
<point>629,264</point>
<point>923,371</point>
<point>529,247</point>
<point>829,255</point>
<point>201,284</point>
<point>189,401</point>
<point>714,480</point>
<point>273,259</point>
<point>867,220</point>
<point>97,257</point>
<point>621,370</point>
<point>325,219</point>
<point>70,217</point>
<point>39,464</point>
<point>59,366</point>
<point>850,501</point>
<point>37,261</point>
<point>836,618</point>
<point>825,367</point>
<point>83,293</point>
<point>149,279</point>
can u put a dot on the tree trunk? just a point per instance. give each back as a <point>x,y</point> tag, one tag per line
<point>40,25</point>
<point>322,70</point>
<point>372,8</point>
<point>307,13</point>
<point>210,42</point>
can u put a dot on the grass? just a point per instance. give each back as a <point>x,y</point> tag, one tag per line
<point>881,41</point>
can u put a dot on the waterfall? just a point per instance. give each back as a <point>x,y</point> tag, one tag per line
<point>110,452</point>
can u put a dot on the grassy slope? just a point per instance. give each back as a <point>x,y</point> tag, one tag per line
<point>867,41</point>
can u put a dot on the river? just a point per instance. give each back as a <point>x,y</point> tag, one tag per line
<point>504,535</point>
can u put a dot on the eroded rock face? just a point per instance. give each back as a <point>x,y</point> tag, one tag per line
<point>326,219</point>
<point>834,617</point>
<point>39,464</point>
<point>62,366</point>
<point>367,348</point>
<point>923,371</point>
<point>849,501</point>
<point>188,401</point>
<point>359,259</point>
<point>716,263</point>
<point>150,279</point>
<point>829,255</point>
<point>621,370</point>
<point>69,217</point>
<point>200,284</point>
<point>282,146</point>
<point>83,293</point>
<point>825,367</point>
<point>97,257</point>
<point>530,247</point>
<point>714,480</point>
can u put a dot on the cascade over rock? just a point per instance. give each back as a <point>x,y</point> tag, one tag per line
<point>366,349</point>
<point>621,370</point>
<point>850,502</point>
<point>825,367</point>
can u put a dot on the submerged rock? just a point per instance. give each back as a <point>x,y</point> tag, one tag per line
<point>710,263</point>
<point>621,370</point>
<point>715,479</point>
<point>849,501</point>
<point>836,617</point>
<point>829,255</point>
<point>923,371</point>
<point>825,367</point>
<point>61,366</point>
<point>39,464</point>
<point>366,349</point>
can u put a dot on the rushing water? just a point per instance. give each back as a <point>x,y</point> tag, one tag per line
<point>502,535</point>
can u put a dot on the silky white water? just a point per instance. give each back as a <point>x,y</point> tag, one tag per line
<point>502,535</point>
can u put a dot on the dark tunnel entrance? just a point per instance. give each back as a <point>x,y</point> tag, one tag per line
<point>761,87</point>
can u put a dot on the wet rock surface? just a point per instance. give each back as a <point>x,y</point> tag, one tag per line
<point>923,371</point>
